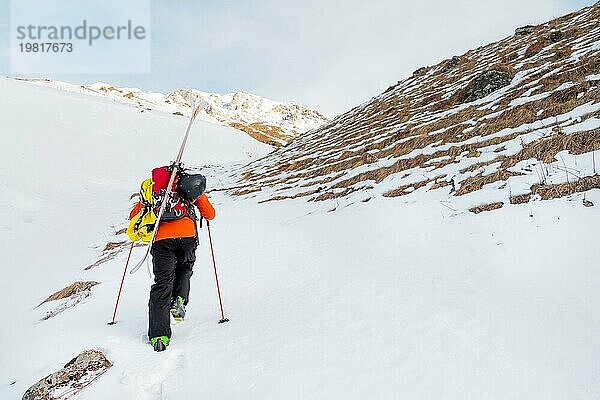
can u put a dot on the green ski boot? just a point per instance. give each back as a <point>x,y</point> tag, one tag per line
<point>159,343</point>
<point>178,308</point>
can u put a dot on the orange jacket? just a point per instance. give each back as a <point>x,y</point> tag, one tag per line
<point>184,227</point>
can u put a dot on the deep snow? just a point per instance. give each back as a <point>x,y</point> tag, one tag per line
<point>392,298</point>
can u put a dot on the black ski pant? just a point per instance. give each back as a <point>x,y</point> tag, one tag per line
<point>172,261</point>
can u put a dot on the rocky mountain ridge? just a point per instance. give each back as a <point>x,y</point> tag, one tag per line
<point>268,121</point>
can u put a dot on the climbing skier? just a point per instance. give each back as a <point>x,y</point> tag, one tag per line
<point>174,246</point>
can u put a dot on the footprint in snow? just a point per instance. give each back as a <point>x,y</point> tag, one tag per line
<point>147,381</point>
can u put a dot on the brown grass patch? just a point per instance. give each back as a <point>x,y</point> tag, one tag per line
<point>265,133</point>
<point>481,164</point>
<point>486,207</point>
<point>520,198</point>
<point>546,149</point>
<point>535,47</point>
<point>478,181</point>
<point>402,190</point>
<point>322,181</point>
<point>243,192</point>
<point>276,198</point>
<point>547,192</point>
<point>70,290</point>
<point>114,245</point>
<point>440,184</point>
<point>333,195</point>
<point>101,260</point>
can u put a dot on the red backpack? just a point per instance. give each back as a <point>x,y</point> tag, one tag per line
<point>176,207</point>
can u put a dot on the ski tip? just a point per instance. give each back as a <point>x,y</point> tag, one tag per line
<point>197,108</point>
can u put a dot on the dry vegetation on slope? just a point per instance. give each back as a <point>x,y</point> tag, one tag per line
<point>499,112</point>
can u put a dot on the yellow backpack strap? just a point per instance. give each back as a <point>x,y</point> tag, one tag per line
<point>140,226</point>
<point>146,191</point>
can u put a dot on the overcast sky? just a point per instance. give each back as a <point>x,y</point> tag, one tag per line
<point>327,54</point>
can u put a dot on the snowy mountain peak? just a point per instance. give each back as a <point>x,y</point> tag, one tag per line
<point>272,122</point>
<point>267,120</point>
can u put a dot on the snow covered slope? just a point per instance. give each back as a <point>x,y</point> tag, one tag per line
<point>70,164</point>
<point>268,121</point>
<point>520,116</point>
<point>407,297</point>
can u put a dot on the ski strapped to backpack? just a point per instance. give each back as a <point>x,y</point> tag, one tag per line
<point>169,186</point>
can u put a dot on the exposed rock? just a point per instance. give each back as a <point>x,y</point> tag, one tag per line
<point>392,87</point>
<point>420,71</point>
<point>485,84</point>
<point>450,64</point>
<point>74,376</point>
<point>524,30</point>
<point>555,36</point>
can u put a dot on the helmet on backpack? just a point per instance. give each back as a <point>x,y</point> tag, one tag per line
<point>190,186</point>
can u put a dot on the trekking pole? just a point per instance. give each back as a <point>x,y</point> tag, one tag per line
<point>223,319</point>
<point>121,287</point>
